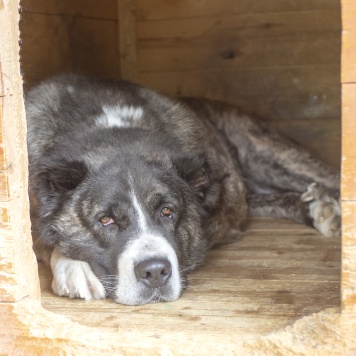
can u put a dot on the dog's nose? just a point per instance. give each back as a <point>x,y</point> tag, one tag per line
<point>153,272</point>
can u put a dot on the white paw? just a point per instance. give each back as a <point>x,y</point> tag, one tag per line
<point>324,210</point>
<point>74,279</point>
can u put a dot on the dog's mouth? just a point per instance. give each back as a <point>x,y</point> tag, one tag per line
<point>141,293</point>
<point>150,295</point>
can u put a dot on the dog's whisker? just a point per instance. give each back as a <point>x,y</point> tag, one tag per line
<point>191,267</point>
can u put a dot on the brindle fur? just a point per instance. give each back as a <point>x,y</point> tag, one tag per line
<point>276,171</point>
<point>222,164</point>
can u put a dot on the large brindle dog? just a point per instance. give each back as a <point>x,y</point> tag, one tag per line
<point>129,188</point>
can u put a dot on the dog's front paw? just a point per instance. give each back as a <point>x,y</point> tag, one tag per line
<point>324,210</point>
<point>74,279</point>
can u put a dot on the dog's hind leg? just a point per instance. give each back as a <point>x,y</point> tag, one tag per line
<point>310,208</point>
<point>294,184</point>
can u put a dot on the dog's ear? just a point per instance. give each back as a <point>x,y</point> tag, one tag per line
<point>53,180</point>
<point>63,176</point>
<point>194,171</point>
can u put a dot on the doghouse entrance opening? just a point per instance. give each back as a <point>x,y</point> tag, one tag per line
<point>280,60</point>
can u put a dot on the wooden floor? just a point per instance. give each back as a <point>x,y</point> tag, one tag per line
<point>277,273</point>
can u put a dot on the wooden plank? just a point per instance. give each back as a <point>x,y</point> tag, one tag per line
<point>244,41</point>
<point>348,184</point>
<point>291,92</point>
<point>79,45</point>
<point>31,330</point>
<point>96,9</point>
<point>158,9</point>
<point>127,40</point>
<point>240,287</point>
<point>348,285</point>
<point>18,268</point>
<point>348,72</point>
<point>237,52</point>
<point>283,95</point>
<point>245,25</point>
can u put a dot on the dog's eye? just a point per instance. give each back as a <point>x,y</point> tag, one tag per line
<point>107,220</point>
<point>167,212</point>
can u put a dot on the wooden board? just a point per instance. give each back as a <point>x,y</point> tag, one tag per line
<point>349,257</point>
<point>158,9</point>
<point>81,44</point>
<point>127,40</point>
<point>16,282</point>
<point>79,8</point>
<point>348,185</point>
<point>348,142</point>
<point>276,103</point>
<point>348,72</point>
<point>280,60</point>
<point>279,272</point>
<point>244,41</point>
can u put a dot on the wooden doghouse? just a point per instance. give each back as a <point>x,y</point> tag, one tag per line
<point>276,291</point>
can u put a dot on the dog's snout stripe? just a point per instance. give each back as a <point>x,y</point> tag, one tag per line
<point>142,221</point>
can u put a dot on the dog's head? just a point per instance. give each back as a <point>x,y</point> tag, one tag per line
<point>137,222</point>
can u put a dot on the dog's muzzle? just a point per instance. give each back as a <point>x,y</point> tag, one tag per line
<point>148,272</point>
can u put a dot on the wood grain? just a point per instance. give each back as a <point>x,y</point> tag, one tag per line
<point>158,9</point>
<point>349,257</point>
<point>348,185</point>
<point>127,27</point>
<point>18,268</point>
<point>279,59</point>
<point>95,9</point>
<point>75,44</point>
<point>279,272</point>
<point>348,72</point>
<point>245,41</point>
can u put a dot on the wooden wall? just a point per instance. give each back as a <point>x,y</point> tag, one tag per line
<point>277,58</point>
<point>66,35</point>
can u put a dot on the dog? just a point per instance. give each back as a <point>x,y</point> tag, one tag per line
<point>129,188</point>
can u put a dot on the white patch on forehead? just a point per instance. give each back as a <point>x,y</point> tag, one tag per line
<point>119,116</point>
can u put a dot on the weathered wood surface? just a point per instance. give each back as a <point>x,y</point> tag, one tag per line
<point>18,270</point>
<point>348,286</point>
<point>348,186</point>
<point>127,28</point>
<point>277,273</point>
<point>35,331</point>
<point>279,59</point>
<point>79,8</point>
<point>158,9</point>
<point>62,36</point>
<point>348,69</point>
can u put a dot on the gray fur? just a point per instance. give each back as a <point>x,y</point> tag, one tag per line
<point>100,146</point>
